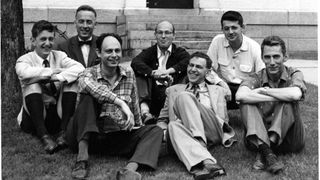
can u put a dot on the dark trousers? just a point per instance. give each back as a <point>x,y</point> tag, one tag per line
<point>36,123</point>
<point>233,104</point>
<point>142,145</point>
<point>151,93</point>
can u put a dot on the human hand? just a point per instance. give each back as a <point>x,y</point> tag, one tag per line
<point>261,90</point>
<point>157,74</point>
<point>129,115</point>
<point>56,70</point>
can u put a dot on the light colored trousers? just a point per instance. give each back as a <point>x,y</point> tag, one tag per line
<point>194,120</point>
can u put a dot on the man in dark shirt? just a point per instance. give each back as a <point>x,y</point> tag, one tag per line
<point>82,47</point>
<point>158,67</point>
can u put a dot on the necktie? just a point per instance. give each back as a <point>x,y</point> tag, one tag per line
<point>53,88</point>
<point>195,90</point>
<point>85,43</point>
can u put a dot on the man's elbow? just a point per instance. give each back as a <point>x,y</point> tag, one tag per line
<point>240,97</point>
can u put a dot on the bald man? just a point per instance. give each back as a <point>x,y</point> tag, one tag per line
<point>158,67</point>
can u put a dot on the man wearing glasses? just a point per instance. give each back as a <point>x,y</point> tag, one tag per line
<point>234,55</point>
<point>158,67</point>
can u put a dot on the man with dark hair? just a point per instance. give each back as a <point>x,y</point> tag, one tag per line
<point>269,105</point>
<point>82,46</point>
<point>108,117</point>
<point>158,67</point>
<point>234,55</point>
<point>47,79</point>
<point>197,117</point>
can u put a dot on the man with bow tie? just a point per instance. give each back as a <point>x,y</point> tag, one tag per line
<point>82,47</point>
<point>47,79</point>
<point>195,117</point>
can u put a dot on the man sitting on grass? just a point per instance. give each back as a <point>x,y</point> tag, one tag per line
<point>197,117</point>
<point>108,117</point>
<point>269,105</point>
<point>42,73</point>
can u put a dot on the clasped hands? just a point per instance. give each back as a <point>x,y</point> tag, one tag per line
<point>162,76</point>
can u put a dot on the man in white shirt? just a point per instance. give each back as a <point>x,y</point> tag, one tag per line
<point>234,55</point>
<point>47,79</point>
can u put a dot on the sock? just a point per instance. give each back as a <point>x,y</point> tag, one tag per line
<point>68,106</point>
<point>83,150</point>
<point>34,103</point>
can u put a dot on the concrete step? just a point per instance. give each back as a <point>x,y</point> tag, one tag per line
<point>179,19</point>
<point>182,35</point>
<point>122,29</point>
<point>142,44</point>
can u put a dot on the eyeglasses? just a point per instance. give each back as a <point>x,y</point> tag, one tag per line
<point>166,33</point>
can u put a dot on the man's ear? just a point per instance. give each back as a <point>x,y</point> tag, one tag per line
<point>285,57</point>
<point>98,53</point>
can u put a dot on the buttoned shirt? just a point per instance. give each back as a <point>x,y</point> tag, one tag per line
<point>290,77</point>
<point>163,58</point>
<point>85,49</point>
<point>235,67</point>
<point>204,97</point>
<point>111,117</point>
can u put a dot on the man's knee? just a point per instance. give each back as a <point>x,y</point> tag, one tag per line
<point>32,88</point>
<point>72,87</point>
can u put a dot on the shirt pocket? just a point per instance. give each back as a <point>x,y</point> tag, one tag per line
<point>245,68</point>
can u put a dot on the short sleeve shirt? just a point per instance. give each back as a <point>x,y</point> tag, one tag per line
<point>234,67</point>
<point>290,77</point>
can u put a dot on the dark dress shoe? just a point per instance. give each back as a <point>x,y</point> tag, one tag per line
<point>61,140</point>
<point>201,174</point>
<point>49,144</point>
<point>148,118</point>
<point>274,165</point>
<point>126,174</point>
<point>80,170</point>
<point>215,169</point>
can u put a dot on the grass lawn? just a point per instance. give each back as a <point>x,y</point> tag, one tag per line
<point>24,158</point>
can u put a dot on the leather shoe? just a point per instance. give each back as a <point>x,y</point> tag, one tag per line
<point>80,170</point>
<point>215,169</point>
<point>49,144</point>
<point>126,174</point>
<point>201,174</point>
<point>61,140</point>
<point>273,164</point>
<point>148,118</point>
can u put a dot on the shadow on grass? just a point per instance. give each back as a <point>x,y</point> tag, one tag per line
<point>24,158</point>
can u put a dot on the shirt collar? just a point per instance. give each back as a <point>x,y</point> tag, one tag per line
<point>201,85</point>
<point>159,52</point>
<point>121,69</point>
<point>244,45</point>
<point>284,76</point>
<point>83,40</point>
<point>42,59</point>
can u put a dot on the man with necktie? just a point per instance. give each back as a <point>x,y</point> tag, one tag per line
<point>82,47</point>
<point>47,79</point>
<point>195,116</point>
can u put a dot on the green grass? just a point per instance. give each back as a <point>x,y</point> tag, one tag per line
<point>24,158</point>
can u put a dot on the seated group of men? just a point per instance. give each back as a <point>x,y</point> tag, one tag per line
<point>167,96</point>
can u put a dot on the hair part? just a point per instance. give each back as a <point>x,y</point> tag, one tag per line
<point>232,16</point>
<point>103,36</point>
<point>40,26</point>
<point>173,29</point>
<point>204,56</point>
<point>274,41</point>
<point>86,8</point>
